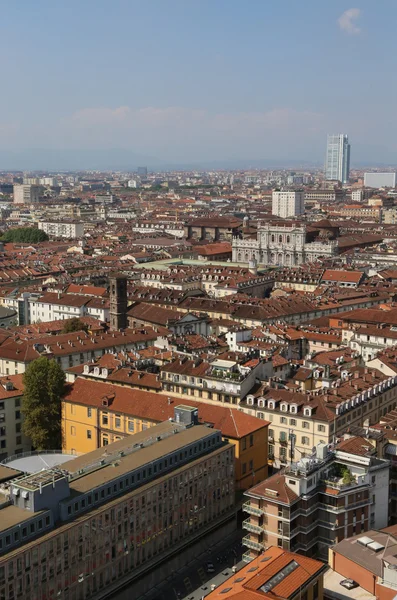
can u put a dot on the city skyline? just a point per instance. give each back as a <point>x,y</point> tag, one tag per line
<point>170,97</point>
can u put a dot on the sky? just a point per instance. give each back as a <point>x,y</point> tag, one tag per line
<point>193,81</point>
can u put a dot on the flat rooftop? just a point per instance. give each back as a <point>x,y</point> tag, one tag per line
<point>333,588</point>
<point>12,515</point>
<point>117,465</point>
<point>36,462</point>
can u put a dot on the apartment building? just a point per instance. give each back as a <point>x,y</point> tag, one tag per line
<point>109,518</point>
<point>368,340</point>
<point>228,378</point>
<point>53,306</point>
<point>301,421</point>
<point>12,439</point>
<point>277,573</point>
<point>319,500</point>
<point>288,203</point>
<point>26,194</point>
<point>66,229</point>
<point>69,349</point>
<point>97,413</point>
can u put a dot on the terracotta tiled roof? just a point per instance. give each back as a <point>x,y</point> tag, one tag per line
<point>157,407</point>
<point>342,276</point>
<point>275,488</point>
<point>247,582</point>
<point>356,445</point>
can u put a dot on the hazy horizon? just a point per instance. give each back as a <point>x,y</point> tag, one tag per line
<point>185,83</point>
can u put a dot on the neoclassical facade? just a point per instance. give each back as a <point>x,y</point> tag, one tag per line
<point>286,244</point>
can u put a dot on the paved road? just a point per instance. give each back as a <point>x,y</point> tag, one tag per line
<point>193,582</point>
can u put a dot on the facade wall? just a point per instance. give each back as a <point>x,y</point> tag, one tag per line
<point>81,558</point>
<point>87,428</point>
<point>352,570</point>
<point>12,440</point>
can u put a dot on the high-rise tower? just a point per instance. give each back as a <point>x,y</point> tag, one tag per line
<point>337,162</point>
<point>118,303</point>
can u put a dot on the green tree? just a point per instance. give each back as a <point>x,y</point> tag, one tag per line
<point>74,324</point>
<point>28,235</point>
<point>44,384</point>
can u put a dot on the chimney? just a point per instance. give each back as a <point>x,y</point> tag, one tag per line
<point>356,375</point>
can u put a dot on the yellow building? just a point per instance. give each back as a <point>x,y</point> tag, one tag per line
<point>97,413</point>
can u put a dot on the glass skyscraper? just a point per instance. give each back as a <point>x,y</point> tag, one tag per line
<point>337,162</point>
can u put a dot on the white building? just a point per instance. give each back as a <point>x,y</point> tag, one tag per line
<point>66,229</point>
<point>380,180</point>
<point>26,194</point>
<point>337,162</point>
<point>282,244</point>
<point>133,183</point>
<point>286,203</point>
<point>49,181</point>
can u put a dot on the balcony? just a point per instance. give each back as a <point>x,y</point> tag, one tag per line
<point>247,541</point>
<point>284,531</point>
<point>251,527</point>
<point>252,510</point>
<point>247,557</point>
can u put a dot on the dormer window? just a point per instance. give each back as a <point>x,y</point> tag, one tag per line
<point>250,400</point>
<point>270,404</point>
<point>261,403</point>
<point>293,409</point>
<point>284,407</point>
<point>307,412</point>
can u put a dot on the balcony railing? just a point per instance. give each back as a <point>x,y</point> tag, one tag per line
<point>247,556</point>
<point>252,544</point>
<point>252,510</point>
<point>252,527</point>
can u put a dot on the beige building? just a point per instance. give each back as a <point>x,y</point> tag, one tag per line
<point>301,421</point>
<point>26,194</point>
<point>317,502</point>
<point>12,440</point>
<point>109,517</point>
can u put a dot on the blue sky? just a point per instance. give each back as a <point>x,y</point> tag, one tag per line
<point>194,80</point>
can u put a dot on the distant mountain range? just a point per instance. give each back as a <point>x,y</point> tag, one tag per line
<point>116,159</point>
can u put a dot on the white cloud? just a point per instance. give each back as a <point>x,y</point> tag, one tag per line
<point>347,21</point>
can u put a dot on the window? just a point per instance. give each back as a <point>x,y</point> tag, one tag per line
<point>292,422</point>
<point>305,440</point>
<point>321,427</point>
<point>244,468</point>
<point>89,434</point>
<point>131,426</point>
<point>271,434</point>
<point>17,414</point>
<point>283,436</point>
<point>105,418</point>
<point>89,412</point>
<point>244,443</point>
<point>251,439</point>
<point>251,465</point>
<point>283,420</point>
<point>72,430</point>
<point>117,421</point>
<point>305,425</point>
